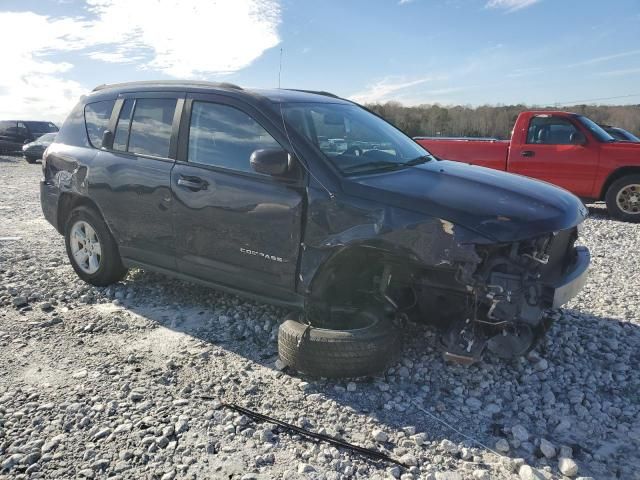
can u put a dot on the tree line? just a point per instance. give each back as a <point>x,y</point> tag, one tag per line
<point>491,121</point>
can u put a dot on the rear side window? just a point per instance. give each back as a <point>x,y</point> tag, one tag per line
<point>96,117</point>
<point>151,126</point>
<point>224,136</point>
<point>550,131</point>
<point>5,125</point>
<point>121,137</point>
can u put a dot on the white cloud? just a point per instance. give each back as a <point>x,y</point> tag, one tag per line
<point>606,58</point>
<point>385,89</point>
<point>188,39</point>
<point>619,73</point>
<point>510,5</point>
<point>404,2</point>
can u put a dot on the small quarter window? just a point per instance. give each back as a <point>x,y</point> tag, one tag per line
<point>224,136</point>
<point>96,117</point>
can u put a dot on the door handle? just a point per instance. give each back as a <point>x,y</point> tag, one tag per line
<point>528,153</point>
<point>193,183</point>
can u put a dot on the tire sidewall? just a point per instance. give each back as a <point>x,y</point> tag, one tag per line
<point>101,276</point>
<point>612,193</point>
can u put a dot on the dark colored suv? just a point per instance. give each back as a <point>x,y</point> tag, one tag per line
<point>241,190</point>
<point>15,133</point>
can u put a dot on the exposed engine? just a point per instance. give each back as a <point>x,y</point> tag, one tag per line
<point>505,299</point>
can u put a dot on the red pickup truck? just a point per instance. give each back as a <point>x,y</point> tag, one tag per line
<point>565,149</point>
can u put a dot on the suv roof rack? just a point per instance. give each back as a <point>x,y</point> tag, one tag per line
<point>168,82</point>
<point>317,92</point>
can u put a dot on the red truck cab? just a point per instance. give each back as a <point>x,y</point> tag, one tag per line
<point>565,149</point>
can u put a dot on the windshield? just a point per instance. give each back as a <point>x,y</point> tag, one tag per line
<point>596,129</point>
<point>47,137</point>
<point>38,128</point>
<point>355,140</point>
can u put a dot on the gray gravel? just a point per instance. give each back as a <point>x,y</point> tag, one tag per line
<point>105,382</point>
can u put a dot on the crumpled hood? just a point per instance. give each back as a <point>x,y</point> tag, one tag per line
<point>500,206</point>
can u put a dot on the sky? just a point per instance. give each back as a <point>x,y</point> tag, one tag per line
<point>470,52</point>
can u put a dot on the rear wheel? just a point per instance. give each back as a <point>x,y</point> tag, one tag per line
<point>91,249</point>
<point>623,198</point>
<point>368,347</point>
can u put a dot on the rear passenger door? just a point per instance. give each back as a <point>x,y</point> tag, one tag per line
<point>234,227</point>
<point>135,194</point>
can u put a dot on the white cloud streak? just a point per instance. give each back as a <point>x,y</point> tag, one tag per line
<point>187,39</point>
<point>386,88</point>
<point>510,5</point>
<point>606,58</point>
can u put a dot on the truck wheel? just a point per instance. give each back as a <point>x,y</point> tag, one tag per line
<point>91,249</point>
<point>368,348</point>
<point>623,198</point>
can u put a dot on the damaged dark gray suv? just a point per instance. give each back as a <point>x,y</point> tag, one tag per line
<point>310,201</point>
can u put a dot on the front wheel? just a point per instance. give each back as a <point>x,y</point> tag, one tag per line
<point>30,159</point>
<point>366,347</point>
<point>91,249</point>
<point>623,198</point>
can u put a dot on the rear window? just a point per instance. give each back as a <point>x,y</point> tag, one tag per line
<point>5,125</point>
<point>96,117</point>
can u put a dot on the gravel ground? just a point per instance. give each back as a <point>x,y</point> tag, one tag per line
<point>105,382</point>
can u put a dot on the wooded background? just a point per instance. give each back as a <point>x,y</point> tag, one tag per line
<point>490,121</point>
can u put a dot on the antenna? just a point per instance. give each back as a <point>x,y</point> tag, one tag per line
<point>280,68</point>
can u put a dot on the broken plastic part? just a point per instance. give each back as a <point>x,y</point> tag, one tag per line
<point>306,433</point>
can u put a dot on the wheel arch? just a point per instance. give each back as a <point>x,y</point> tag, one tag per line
<point>353,265</point>
<point>68,202</point>
<point>616,175</point>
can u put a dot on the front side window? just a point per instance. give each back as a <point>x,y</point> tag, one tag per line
<point>225,137</point>
<point>151,126</point>
<point>355,140</point>
<point>549,130</point>
<point>96,118</point>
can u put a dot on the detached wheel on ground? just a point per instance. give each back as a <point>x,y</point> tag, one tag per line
<point>91,248</point>
<point>623,198</point>
<point>368,347</point>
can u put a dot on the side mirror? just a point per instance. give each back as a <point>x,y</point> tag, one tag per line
<point>578,138</point>
<point>26,140</point>
<point>270,161</point>
<point>107,139</point>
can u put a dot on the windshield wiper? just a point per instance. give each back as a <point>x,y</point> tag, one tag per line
<point>418,161</point>
<point>374,166</point>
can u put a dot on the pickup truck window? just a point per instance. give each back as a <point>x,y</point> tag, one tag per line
<point>550,130</point>
<point>354,140</point>
<point>224,136</point>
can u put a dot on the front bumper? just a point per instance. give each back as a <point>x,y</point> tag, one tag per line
<point>574,279</point>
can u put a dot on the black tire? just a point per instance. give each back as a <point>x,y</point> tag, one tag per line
<point>30,159</point>
<point>110,269</point>
<point>611,198</point>
<point>322,352</point>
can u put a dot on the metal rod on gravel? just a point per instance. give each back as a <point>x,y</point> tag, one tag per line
<point>367,452</point>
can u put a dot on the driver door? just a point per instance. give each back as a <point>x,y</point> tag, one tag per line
<point>233,226</point>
